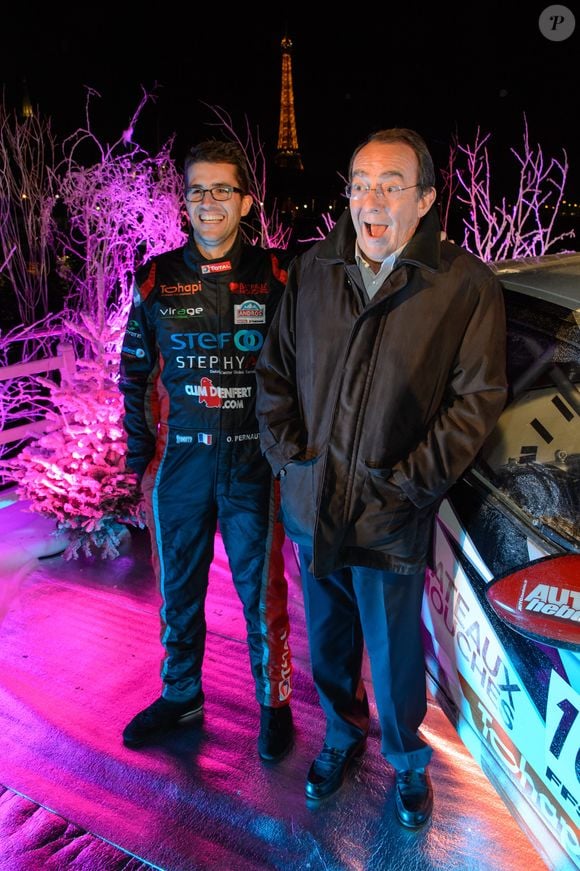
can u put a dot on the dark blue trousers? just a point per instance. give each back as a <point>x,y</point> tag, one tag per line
<point>346,610</point>
<point>189,489</point>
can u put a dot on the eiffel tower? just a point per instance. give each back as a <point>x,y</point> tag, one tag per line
<point>287,155</point>
<point>26,110</point>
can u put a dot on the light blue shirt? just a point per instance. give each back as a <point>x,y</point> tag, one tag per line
<point>372,281</point>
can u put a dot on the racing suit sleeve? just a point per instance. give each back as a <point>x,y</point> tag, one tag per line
<point>476,396</point>
<point>282,434</point>
<point>139,359</point>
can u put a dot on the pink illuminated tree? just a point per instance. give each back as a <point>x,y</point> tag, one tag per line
<point>122,208</point>
<point>75,473</point>
<point>323,229</point>
<point>523,226</point>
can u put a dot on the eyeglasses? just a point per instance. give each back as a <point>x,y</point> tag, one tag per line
<point>219,192</point>
<point>356,190</point>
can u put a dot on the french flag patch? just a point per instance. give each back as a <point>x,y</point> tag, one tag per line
<point>204,438</point>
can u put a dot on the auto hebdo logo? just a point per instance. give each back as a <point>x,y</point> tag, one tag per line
<point>542,601</point>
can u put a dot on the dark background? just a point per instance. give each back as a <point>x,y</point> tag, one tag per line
<point>444,71</point>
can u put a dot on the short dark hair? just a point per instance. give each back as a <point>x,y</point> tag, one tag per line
<point>426,179</point>
<point>220,151</point>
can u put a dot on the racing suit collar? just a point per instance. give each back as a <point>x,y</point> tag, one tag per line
<point>194,258</point>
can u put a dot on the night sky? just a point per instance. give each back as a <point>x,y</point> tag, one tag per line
<point>443,72</point>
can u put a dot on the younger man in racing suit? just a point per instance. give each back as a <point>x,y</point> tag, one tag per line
<point>198,320</point>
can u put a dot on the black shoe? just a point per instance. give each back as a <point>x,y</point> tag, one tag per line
<point>413,797</point>
<point>159,718</point>
<point>276,733</point>
<point>329,769</point>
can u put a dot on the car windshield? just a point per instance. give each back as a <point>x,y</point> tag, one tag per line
<point>533,454</point>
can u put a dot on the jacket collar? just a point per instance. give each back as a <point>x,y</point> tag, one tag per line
<point>194,258</point>
<point>423,249</point>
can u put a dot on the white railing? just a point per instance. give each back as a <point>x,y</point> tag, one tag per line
<point>64,361</point>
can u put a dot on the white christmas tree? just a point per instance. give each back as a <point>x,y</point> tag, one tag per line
<point>75,473</point>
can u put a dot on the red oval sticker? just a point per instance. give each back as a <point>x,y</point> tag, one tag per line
<point>542,600</point>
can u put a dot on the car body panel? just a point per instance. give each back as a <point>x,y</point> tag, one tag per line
<point>553,277</point>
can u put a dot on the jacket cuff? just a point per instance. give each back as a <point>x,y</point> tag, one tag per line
<point>278,457</point>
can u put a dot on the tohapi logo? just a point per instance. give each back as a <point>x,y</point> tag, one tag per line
<point>180,289</point>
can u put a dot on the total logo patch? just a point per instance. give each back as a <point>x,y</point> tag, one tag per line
<point>250,312</point>
<point>209,268</point>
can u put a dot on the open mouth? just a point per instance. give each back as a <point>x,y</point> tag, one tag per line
<point>210,219</point>
<point>376,231</point>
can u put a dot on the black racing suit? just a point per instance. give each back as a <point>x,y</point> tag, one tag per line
<point>187,376</point>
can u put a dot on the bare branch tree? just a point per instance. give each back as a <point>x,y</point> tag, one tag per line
<point>522,228</point>
<point>27,199</point>
<point>449,185</point>
<point>122,209</point>
<point>323,230</point>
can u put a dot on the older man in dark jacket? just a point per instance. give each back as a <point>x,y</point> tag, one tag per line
<point>383,373</point>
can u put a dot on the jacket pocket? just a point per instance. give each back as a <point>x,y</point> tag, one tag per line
<point>387,519</point>
<point>298,491</point>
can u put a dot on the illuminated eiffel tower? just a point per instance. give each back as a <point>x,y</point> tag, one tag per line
<point>287,155</point>
<point>26,110</point>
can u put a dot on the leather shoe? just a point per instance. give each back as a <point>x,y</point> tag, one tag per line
<point>413,797</point>
<point>329,769</point>
<point>159,718</point>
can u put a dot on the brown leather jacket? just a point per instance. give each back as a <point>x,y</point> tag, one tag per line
<point>370,412</point>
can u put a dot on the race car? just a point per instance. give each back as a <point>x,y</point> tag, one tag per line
<point>501,611</point>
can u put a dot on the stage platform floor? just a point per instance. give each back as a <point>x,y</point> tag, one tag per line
<point>80,654</point>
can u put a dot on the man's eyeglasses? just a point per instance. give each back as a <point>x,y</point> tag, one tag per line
<point>356,190</point>
<point>219,192</point>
